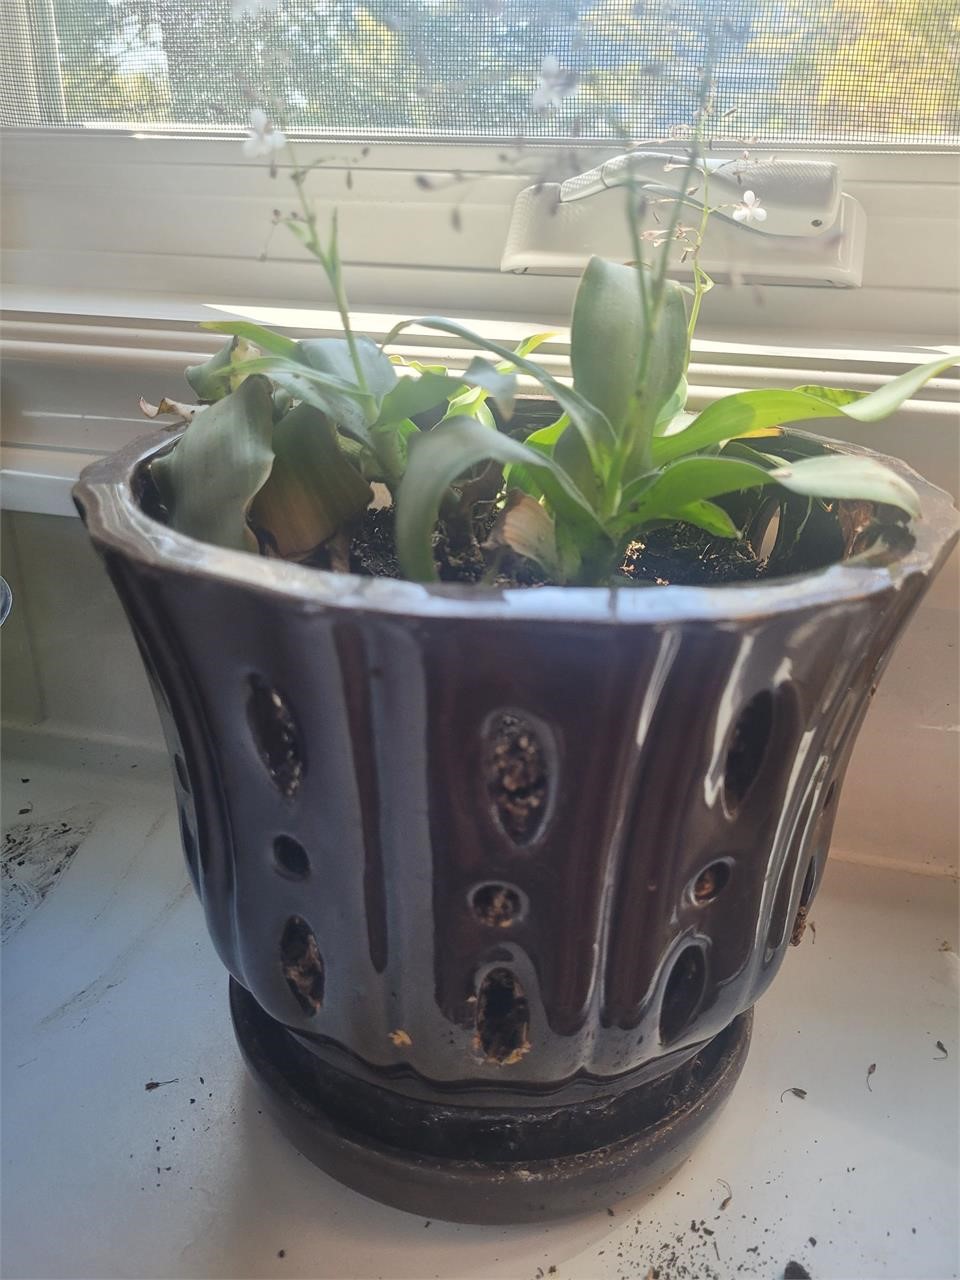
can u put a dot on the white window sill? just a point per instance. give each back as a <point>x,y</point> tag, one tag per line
<point>130,990</point>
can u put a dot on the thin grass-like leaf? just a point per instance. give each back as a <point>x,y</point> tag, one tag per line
<point>752,413</point>
<point>589,420</point>
<point>266,339</point>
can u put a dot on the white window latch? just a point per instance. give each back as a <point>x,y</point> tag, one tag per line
<point>772,221</point>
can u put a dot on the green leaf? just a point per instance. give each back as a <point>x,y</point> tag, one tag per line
<point>412,396</point>
<point>562,442</point>
<point>266,339</point>
<point>606,337</point>
<point>708,516</point>
<point>691,480</point>
<point>419,366</point>
<point>589,420</point>
<point>571,453</point>
<point>391,442</point>
<point>332,356</point>
<point>629,358</point>
<point>312,490</point>
<point>342,400</point>
<point>530,344</point>
<point>664,381</point>
<point>745,414</point>
<point>737,449</point>
<point>571,559</point>
<point>282,403</point>
<point>681,483</point>
<point>500,386</point>
<point>437,458</point>
<point>544,440</point>
<point>217,376</point>
<point>673,410</point>
<point>763,412</point>
<point>274,366</point>
<point>878,404</point>
<point>843,476</point>
<point>209,480</point>
<point>472,404</point>
<point>832,395</point>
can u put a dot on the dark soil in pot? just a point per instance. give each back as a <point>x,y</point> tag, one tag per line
<point>681,555</point>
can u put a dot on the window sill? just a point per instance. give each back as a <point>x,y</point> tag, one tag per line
<point>868,1173</point>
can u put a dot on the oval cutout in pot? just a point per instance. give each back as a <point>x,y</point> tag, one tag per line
<point>276,736</point>
<point>302,965</point>
<point>503,1018</point>
<point>496,905</point>
<point>806,893</point>
<point>711,882</point>
<point>747,749</point>
<point>683,993</point>
<point>290,858</point>
<point>516,774</point>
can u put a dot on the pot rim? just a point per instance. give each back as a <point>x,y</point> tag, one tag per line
<point>105,497</point>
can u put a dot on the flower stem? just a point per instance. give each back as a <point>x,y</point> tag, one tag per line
<point>329,260</point>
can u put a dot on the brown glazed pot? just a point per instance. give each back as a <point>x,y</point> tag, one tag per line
<point>473,988</point>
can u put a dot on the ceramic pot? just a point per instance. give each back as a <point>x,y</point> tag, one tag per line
<point>499,875</point>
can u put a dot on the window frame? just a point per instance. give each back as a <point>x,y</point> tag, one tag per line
<point>110,194</point>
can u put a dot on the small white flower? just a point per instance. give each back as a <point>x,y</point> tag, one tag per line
<point>749,209</point>
<point>555,85</point>
<point>297,100</point>
<point>263,139</point>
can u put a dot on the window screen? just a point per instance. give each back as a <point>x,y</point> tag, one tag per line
<point>836,71</point>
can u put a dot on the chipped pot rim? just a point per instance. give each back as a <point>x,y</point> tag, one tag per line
<point>108,504</point>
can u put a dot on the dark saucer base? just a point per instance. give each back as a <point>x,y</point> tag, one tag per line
<point>437,1162</point>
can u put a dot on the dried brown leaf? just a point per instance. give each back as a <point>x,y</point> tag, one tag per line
<point>526,528</point>
<point>167,408</point>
